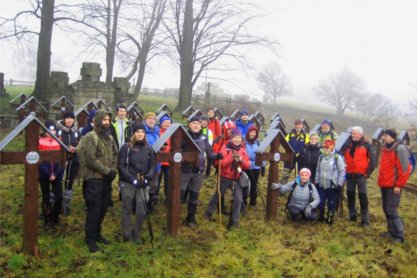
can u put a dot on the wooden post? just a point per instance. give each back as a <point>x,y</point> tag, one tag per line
<point>273,140</point>
<point>31,158</point>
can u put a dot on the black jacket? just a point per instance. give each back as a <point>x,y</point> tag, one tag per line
<point>201,141</point>
<point>141,161</point>
<point>70,137</point>
<point>309,157</point>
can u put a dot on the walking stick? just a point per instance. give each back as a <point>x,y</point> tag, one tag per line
<point>219,193</point>
<point>257,188</point>
<point>66,184</point>
<point>145,207</point>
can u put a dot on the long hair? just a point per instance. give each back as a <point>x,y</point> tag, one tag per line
<point>132,140</point>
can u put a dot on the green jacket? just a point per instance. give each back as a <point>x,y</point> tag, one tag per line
<point>98,152</point>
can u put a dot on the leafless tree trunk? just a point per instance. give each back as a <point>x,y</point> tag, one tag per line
<point>341,90</point>
<point>146,41</point>
<point>273,81</point>
<point>202,32</point>
<point>43,68</point>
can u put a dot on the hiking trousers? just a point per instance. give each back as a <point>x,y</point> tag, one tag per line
<point>353,181</point>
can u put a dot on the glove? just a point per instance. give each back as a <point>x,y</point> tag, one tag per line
<point>134,182</point>
<point>276,186</point>
<point>307,211</point>
<point>263,171</point>
<point>111,175</point>
<point>219,156</point>
<point>143,184</point>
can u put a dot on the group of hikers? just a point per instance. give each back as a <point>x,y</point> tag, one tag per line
<point>108,147</point>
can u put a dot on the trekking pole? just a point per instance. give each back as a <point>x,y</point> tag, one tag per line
<point>148,217</point>
<point>220,194</point>
<point>66,183</point>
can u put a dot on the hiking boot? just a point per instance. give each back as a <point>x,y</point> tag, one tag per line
<point>329,220</point>
<point>352,218</point>
<point>225,212</point>
<point>190,222</point>
<point>103,240</point>
<point>93,247</point>
<point>233,226</point>
<point>385,234</point>
<point>398,240</point>
<point>252,203</point>
<point>364,223</point>
<point>208,217</point>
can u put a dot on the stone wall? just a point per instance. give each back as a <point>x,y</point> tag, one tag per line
<point>89,88</point>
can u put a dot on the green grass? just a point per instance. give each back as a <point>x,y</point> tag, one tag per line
<point>258,249</point>
<point>13,92</point>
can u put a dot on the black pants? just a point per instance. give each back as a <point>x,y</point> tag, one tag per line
<point>97,194</point>
<point>164,173</point>
<point>46,190</point>
<point>253,175</point>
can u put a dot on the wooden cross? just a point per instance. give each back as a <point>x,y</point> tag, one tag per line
<point>187,112</point>
<point>90,106</point>
<point>376,144</point>
<point>177,135</point>
<point>31,157</point>
<point>273,140</point>
<point>31,105</point>
<point>164,107</point>
<point>63,105</point>
<point>81,115</point>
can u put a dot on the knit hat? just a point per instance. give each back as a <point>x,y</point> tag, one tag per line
<point>358,129</point>
<point>165,118</point>
<point>235,132</point>
<point>205,118</point>
<point>305,170</point>
<point>390,132</point>
<point>150,114</point>
<point>228,125</point>
<point>244,112</point>
<point>69,114</point>
<point>136,126</point>
<point>326,122</point>
<point>50,124</point>
<point>194,119</point>
<point>329,143</point>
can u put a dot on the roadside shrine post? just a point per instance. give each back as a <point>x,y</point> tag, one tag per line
<point>164,107</point>
<point>135,113</point>
<point>376,144</point>
<point>187,112</point>
<point>218,113</point>
<point>81,115</point>
<point>177,135</point>
<point>31,157</point>
<point>196,113</point>
<point>260,117</point>
<point>102,105</point>
<point>274,140</point>
<point>18,100</point>
<point>63,105</point>
<point>90,106</point>
<point>255,121</point>
<point>31,105</point>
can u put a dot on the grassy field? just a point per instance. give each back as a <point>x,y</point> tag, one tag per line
<point>258,249</point>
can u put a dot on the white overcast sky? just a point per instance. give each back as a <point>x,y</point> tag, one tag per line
<point>376,39</point>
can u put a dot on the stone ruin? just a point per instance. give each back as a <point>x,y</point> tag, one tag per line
<point>89,88</point>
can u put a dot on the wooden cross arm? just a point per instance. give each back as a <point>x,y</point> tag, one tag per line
<point>169,156</point>
<point>270,156</point>
<point>15,157</point>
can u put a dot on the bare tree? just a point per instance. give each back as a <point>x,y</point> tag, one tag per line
<point>378,108</point>
<point>341,90</point>
<point>273,81</point>
<point>202,32</point>
<point>145,39</point>
<point>37,22</point>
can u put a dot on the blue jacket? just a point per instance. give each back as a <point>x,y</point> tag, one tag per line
<point>152,135</point>
<point>243,127</point>
<point>251,149</point>
<point>47,169</point>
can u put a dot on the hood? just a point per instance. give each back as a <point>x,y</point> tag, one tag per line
<point>99,118</point>
<point>61,126</point>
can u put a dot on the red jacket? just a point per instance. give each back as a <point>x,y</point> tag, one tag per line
<point>394,167</point>
<point>362,161</point>
<point>214,126</point>
<point>226,164</point>
<point>166,148</point>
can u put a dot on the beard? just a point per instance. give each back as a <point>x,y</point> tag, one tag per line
<point>105,132</point>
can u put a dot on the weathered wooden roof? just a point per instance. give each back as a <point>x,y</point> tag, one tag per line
<point>167,135</point>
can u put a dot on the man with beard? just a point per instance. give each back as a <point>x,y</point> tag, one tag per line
<point>297,139</point>
<point>99,153</point>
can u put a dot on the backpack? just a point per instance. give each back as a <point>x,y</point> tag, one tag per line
<point>310,199</point>
<point>411,158</point>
